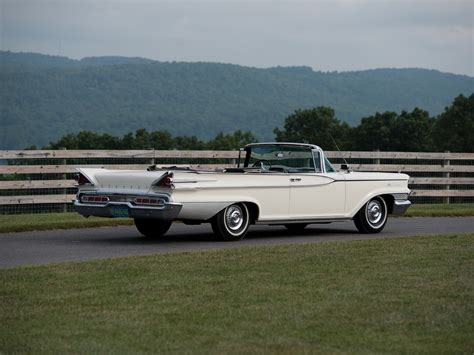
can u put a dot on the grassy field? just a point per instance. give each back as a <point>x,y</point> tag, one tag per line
<point>441,210</point>
<point>401,295</point>
<point>44,221</point>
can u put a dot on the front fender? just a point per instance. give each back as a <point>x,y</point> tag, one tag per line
<point>375,193</point>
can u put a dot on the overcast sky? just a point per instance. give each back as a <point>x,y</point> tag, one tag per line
<point>326,35</point>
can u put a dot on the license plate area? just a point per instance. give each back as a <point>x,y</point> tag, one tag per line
<point>120,211</point>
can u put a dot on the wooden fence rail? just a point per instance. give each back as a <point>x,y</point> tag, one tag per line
<point>36,176</point>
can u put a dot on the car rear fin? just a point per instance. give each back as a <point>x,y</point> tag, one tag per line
<point>82,180</point>
<point>165,180</point>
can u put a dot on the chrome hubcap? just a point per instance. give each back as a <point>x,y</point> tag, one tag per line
<point>374,212</point>
<point>234,218</point>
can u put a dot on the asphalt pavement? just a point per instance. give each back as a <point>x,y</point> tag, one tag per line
<point>44,247</point>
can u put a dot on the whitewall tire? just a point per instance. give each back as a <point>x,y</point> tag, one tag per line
<point>372,217</point>
<point>232,223</point>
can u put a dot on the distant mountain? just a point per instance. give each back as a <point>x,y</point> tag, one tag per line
<point>27,62</point>
<point>113,60</point>
<point>44,97</point>
<point>20,62</point>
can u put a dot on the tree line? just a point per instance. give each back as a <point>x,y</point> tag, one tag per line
<point>142,139</point>
<point>414,131</point>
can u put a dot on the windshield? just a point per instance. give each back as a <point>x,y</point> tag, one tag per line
<point>291,159</point>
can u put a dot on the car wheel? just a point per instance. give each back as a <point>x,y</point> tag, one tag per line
<point>152,228</point>
<point>372,217</point>
<point>232,223</point>
<point>296,227</point>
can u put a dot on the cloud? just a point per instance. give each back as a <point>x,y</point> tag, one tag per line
<point>327,35</point>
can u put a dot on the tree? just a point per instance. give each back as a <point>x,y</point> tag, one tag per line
<point>232,141</point>
<point>412,131</point>
<point>374,132</point>
<point>86,140</point>
<point>388,131</point>
<point>454,128</point>
<point>146,140</point>
<point>161,140</point>
<point>188,143</point>
<point>68,141</point>
<point>142,139</point>
<point>317,125</point>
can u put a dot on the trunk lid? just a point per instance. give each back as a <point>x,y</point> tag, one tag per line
<point>126,180</point>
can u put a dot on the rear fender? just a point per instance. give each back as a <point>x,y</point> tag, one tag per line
<point>204,211</point>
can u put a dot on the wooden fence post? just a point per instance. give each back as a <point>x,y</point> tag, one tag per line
<point>64,177</point>
<point>377,160</point>
<point>447,162</point>
<point>152,161</point>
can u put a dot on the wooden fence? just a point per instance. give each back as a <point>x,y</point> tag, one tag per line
<point>35,176</point>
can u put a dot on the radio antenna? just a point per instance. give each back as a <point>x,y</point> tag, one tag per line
<point>337,147</point>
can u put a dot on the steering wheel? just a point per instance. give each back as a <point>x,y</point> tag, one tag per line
<point>262,163</point>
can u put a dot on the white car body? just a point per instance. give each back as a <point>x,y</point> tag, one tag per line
<point>280,196</point>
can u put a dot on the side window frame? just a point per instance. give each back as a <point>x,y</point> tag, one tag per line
<point>318,157</point>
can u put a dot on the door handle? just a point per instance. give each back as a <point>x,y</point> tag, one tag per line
<point>295,179</point>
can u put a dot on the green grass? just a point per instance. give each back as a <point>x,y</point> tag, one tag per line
<point>441,210</point>
<point>45,221</point>
<point>401,295</point>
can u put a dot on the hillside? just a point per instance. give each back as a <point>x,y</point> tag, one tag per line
<point>43,97</point>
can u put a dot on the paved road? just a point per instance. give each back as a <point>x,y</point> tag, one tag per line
<point>45,247</point>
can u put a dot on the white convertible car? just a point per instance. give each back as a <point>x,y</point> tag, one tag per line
<point>287,184</point>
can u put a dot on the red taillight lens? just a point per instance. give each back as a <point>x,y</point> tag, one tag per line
<point>94,199</point>
<point>148,201</point>
<point>166,181</point>
<point>82,180</point>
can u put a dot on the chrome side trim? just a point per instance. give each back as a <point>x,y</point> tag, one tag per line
<point>308,221</point>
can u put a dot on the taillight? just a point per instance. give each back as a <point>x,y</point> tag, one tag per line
<point>165,181</point>
<point>94,199</point>
<point>82,180</point>
<point>148,201</point>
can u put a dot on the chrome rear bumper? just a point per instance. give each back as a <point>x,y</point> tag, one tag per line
<point>168,211</point>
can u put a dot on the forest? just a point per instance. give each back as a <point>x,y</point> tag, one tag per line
<point>413,131</point>
<point>43,98</point>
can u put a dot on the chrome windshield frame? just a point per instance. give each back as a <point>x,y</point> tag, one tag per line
<point>319,151</point>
